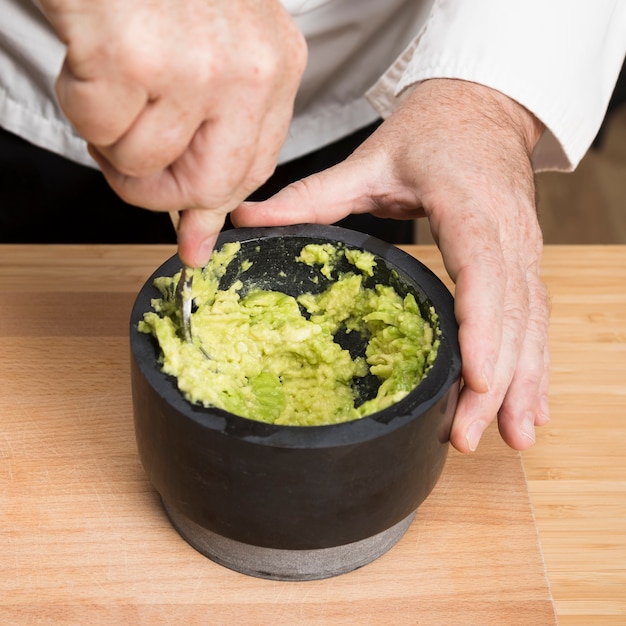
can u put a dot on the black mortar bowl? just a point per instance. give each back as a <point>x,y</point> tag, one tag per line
<point>296,502</point>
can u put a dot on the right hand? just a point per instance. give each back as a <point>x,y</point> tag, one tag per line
<point>185,104</point>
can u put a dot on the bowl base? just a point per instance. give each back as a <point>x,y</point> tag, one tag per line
<point>287,565</point>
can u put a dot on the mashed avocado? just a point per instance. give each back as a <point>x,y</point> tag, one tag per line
<point>268,356</point>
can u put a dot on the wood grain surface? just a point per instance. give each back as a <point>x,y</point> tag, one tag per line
<point>84,539</point>
<point>577,470</point>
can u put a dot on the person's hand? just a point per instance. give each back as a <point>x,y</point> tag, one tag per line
<point>185,104</point>
<point>458,153</point>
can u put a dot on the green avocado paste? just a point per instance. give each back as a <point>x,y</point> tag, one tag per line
<point>268,356</point>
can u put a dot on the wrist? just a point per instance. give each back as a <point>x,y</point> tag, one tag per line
<point>484,106</point>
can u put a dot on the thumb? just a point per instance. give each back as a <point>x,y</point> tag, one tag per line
<point>322,198</point>
<point>198,230</point>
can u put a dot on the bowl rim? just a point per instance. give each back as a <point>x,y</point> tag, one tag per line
<point>443,376</point>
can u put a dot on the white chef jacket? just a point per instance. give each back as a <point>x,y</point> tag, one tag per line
<point>559,58</point>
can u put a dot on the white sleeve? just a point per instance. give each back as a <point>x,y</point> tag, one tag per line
<point>31,56</point>
<point>558,58</point>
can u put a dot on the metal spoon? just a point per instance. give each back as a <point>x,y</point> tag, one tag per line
<point>183,289</point>
<point>184,301</point>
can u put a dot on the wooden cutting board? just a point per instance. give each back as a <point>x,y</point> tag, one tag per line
<point>84,539</point>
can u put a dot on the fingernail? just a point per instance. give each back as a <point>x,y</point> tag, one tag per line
<point>474,433</point>
<point>205,250</point>
<point>488,373</point>
<point>527,426</point>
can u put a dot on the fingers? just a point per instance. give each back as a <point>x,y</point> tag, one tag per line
<point>198,231</point>
<point>517,392</point>
<point>526,402</point>
<point>490,332</point>
<point>360,184</point>
<point>218,169</point>
<point>322,198</point>
<point>480,298</point>
<point>135,153</point>
<point>208,174</point>
<point>100,110</point>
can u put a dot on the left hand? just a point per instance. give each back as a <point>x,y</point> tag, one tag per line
<point>457,153</point>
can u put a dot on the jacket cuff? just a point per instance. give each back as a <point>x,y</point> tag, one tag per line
<point>558,59</point>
